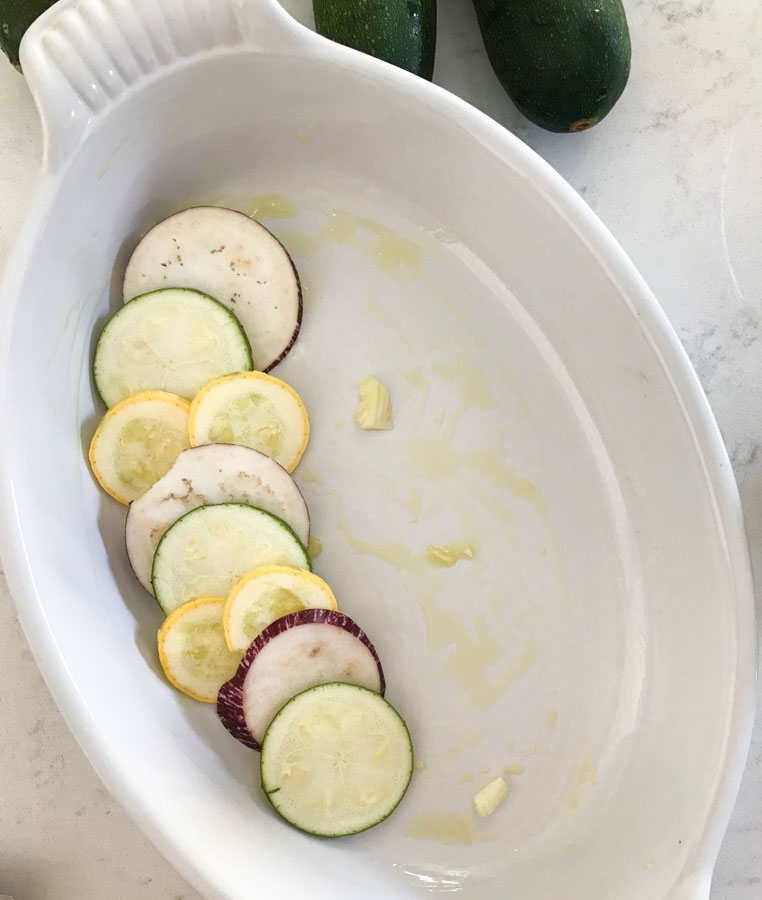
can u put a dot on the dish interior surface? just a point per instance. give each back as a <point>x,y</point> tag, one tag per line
<point>534,418</point>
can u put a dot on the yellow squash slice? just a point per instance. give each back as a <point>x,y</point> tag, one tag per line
<point>137,442</point>
<point>192,649</point>
<point>269,593</point>
<point>252,409</point>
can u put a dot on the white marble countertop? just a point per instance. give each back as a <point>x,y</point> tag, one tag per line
<point>675,171</point>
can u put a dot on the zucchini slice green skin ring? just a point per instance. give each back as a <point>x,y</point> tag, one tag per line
<point>214,473</point>
<point>173,339</point>
<point>224,541</point>
<point>336,760</point>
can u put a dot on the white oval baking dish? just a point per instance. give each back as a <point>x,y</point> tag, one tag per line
<point>604,641</point>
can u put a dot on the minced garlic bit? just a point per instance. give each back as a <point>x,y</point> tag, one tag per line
<point>374,411</point>
<point>440,555</point>
<point>487,800</point>
<point>314,548</point>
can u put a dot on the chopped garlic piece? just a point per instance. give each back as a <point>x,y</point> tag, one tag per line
<point>487,800</point>
<point>374,412</point>
<point>440,555</point>
<point>315,547</point>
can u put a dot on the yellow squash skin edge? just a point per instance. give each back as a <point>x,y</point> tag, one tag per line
<point>165,629</point>
<point>261,572</point>
<point>140,397</point>
<point>254,377</point>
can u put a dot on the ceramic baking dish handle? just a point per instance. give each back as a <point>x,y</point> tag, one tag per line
<point>81,56</point>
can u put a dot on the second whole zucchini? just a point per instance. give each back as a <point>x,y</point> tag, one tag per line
<point>564,63</point>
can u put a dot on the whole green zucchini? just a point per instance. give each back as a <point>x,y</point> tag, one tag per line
<point>15,17</point>
<point>402,32</point>
<point>564,63</point>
